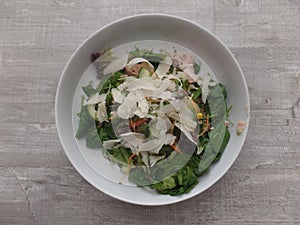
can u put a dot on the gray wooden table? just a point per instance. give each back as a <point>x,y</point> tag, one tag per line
<point>38,185</point>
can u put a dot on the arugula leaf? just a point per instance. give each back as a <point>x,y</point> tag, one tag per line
<point>85,121</point>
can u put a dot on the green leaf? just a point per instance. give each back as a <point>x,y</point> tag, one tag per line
<point>184,181</point>
<point>223,146</point>
<point>121,155</point>
<point>218,137</point>
<point>110,81</point>
<point>85,122</point>
<point>89,90</point>
<point>185,85</point>
<point>166,184</point>
<point>196,94</point>
<point>108,130</point>
<point>138,175</point>
<point>92,138</point>
<point>143,129</point>
<point>196,68</point>
<point>147,54</point>
<point>169,166</point>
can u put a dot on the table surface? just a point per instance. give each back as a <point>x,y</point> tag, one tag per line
<point>38,185</point>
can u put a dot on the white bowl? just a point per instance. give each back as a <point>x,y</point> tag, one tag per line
<point>152,27</point>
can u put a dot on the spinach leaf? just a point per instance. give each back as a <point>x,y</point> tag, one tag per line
<point>139,176</point>
<point>196,68</point>
<point>85,121</point>
<point>121,155</point>
<point>165,185</point>
<point>216,136</point>
<point>92,138</point>
<point>223,146</point>
<point>178,184</point>
<point>143,129</point>
<point>108,130</point>
<point>196,94</point>
<point>89,90</point>
<point>169,166</point>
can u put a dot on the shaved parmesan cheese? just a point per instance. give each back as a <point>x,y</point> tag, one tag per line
<point>161,92</point>
<point>96,99</point>
<point>174,115</point>
<point>117,95</point>
<point>166,109</point>
<point>163,67</point>
<point>169,139</point>
<point>182,75</point>
<point>199,150</point>
<point>142,108</point>
<point>191,76</point>
<point>175,104</point>
<point>167,61</point>
<point>186,115</point>
<point>126,109</point>
<point>101,112</point>
<point>156,82</point>
<point>175,77</point>
<point>145,157</point>
<point>142,83</point>
<point>154,145</point>
<point>139,60</point>
<point>160,126</point>
<point>205,81</point>
<point>110,143</point>
<point>116,65</point>
<point>132,140</point>
<point>185,131</point>
<point>153,159</point>
<point>162,70</point>
<point>122,86</point>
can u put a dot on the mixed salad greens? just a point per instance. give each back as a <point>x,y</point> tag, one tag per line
<point>157,116</point>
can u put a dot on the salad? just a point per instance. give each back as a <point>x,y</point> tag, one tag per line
<point>157,116</point>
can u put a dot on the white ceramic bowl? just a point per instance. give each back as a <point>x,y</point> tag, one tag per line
<point>152,27</point>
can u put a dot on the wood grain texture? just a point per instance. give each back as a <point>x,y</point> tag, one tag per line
<point>38,185</point>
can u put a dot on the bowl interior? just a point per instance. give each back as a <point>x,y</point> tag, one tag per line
<point>152,27</point>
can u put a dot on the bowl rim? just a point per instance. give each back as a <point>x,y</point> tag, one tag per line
<point>137,16</point>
